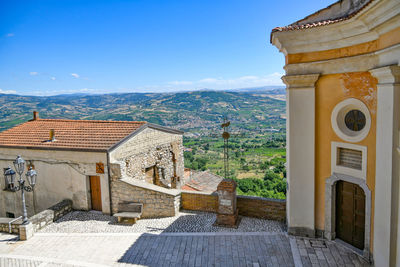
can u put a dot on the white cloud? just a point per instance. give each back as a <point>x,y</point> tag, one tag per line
<point>10,34</point>
<point>208,80</point>
<point>7,91</point>
<point>53,78</point>
<point>69,91</point>
<point>87,90</point>
<point>180,83</point>
<point>233,83</point>
<point>33,73</point>
<point>75,75</point>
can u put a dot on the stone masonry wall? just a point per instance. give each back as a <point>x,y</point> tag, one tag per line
<point>50,215</point>
<point>200,201</point>
<point>14,226</point>
<point>41,219</point>
<point>157,201</point>
<point>152,148</point>
<point>265,208</point>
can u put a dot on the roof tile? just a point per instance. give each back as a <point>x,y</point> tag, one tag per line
<point>69,134</point>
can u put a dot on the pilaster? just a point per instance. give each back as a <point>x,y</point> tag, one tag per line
<point>300,127</point>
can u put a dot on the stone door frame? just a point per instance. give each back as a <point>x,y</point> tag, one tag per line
<point>330,207</point>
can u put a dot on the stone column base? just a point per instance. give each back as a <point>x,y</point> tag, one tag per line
<point>228,220</point>
<point>301,231</point>
<point>25,231</point>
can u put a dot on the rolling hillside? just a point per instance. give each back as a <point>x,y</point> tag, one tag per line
<point>198,113</point>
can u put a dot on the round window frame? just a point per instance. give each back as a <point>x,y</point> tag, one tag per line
<point>338,123</point>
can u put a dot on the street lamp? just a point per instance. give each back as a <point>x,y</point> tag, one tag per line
<point>31,175</point>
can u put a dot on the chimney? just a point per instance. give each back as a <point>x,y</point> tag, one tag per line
<point>35,115</point>
<point>52,135</point>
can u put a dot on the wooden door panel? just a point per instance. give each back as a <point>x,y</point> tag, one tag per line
<point>95,192</point>
<point>350,213</point>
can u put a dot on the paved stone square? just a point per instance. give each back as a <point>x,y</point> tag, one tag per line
<point>145,247</point>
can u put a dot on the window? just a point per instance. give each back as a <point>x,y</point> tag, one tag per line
<point>351,120</point>
<point>10,215</point>
<point>9,186</point>
<point>355,120</point>
<point>349,159</point>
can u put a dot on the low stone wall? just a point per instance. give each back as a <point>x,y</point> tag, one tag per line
<point>41,219</point>
<point>157,201</point>
<point>257,207</point>
<point>199,201</point>
<point>50,215</point>
<point>264,208</point>
<point>14,226</point>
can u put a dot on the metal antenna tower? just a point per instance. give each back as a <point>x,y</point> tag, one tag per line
<point>226,136</point>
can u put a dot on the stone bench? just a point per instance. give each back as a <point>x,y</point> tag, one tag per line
<point>129,212</point>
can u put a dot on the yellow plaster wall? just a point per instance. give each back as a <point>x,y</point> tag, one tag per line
<point>385,40</point>
<point>330,90</point>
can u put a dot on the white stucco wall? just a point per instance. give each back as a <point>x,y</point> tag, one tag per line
<point>301,153</point>
<point>387,230</point>
<point>61,175</point>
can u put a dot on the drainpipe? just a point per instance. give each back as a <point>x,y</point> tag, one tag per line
<point>109,181</point>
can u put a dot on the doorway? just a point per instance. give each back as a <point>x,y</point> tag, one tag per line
<point>350,213</point>
<point>95,192</point>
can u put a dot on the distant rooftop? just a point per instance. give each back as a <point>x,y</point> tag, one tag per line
<point>203,181</point>
<point>88,135</point>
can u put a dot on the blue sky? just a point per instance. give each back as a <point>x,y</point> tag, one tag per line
<point>66,46</point>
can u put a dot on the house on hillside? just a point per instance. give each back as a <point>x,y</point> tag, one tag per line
<point>343,117</point>
<point>73,159</point>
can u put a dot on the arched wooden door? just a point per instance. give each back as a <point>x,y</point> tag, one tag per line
<point>350,213</point>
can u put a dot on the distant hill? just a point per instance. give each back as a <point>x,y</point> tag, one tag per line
<point>198,112</point>
<point>261,90</point>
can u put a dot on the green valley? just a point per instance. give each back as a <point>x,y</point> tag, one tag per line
<point>258,126</point>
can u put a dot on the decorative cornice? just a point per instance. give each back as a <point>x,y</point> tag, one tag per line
<point>306,81</point>
<point>358,63</point>
<point>387,74</point>
<point>371,22</point>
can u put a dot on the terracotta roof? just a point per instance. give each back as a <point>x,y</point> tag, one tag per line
<point>298,25</point>
<point>188,188</point>
<point>69,134</point>
<point>204,181</point>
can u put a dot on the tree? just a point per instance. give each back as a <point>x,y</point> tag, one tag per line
<point>271,176</point>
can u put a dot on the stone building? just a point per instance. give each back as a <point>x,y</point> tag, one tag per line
<point>73,160</point>
<point>343,115</point>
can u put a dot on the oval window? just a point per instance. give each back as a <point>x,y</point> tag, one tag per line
<point>351,120</point>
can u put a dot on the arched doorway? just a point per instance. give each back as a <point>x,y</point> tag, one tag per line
<point>332,209</point>
<point>350,213</point>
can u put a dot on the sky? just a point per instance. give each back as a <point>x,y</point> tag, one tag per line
<point>95,46</point>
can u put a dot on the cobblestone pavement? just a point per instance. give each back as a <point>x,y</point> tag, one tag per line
<point>318,252</point>
<point>185,221</point>
<point>173,249</point>
<point>170,249</point>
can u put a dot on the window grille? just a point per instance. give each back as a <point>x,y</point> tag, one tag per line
<point>349,158</point>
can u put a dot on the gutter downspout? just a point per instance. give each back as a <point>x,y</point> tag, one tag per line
<point>10,222</point>
<point>109,181</point>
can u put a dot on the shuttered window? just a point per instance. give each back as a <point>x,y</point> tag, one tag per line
<point>349,158</point>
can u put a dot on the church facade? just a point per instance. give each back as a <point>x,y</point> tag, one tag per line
<point>343,115</point>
